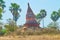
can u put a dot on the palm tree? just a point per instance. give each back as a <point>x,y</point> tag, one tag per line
<point>38,18</point>
<point>41,15</point>
<point>2,6</point>
<point>54,17</point>
<point>15,9</point>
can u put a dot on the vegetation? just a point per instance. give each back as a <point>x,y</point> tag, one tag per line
<point>14,8</point>
<point>12,28</point>
<point>41,16</point>
<point>2,6</point>
<point>55,16</point>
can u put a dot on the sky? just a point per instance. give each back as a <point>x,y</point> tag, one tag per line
<point>36,6</point>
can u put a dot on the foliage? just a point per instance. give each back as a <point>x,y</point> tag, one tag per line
<point>1,10</point>
<point>11,26</point>
<point>41,15</point>
<point>3,31</point>
<point>0,28</point>
<point>2,6</point>
<point>53,26</point>
<point>14,8</point>
<point>54,16</point>
<point>38,18</point>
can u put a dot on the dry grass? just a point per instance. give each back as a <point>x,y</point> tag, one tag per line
<point>34,37</point>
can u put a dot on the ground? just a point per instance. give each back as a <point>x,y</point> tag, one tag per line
<point>33,37</point>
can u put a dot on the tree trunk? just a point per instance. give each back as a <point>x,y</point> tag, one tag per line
<point>43,23</point>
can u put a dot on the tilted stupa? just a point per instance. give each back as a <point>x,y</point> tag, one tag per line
<point>30,18</point>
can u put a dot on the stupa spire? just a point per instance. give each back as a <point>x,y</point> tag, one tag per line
<point>28,5</point>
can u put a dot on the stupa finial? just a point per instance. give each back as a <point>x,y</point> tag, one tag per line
<point>28,5</point>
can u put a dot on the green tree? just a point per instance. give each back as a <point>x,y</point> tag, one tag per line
<point>38,18</point>
<point>15,9</point>
<point>41,16</point>
<point>54,17</point>
<point>2,6</point>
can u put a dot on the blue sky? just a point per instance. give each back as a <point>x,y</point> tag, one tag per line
<point>36,6</point>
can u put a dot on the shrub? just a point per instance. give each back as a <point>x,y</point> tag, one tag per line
<point>10,28</point>
<point>3,31</point>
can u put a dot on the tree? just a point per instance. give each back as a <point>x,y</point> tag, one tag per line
<point>41,16</point>
<point>15,9</point>
<point>54,17</point>
<point>38,18</point>
<point>2,6</point>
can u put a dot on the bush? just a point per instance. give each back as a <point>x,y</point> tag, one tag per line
<point>3,31</point>
<point>11,28</point>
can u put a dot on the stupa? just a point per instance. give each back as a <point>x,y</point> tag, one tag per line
<point>30,18</point>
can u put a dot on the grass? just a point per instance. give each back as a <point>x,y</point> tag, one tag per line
<point>29,34</point>
<point>32,37</point>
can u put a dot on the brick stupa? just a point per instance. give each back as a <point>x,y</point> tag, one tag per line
<point>30,18</point>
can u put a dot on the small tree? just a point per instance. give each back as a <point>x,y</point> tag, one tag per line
<point>52,26</point>
<point>11,26</point>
